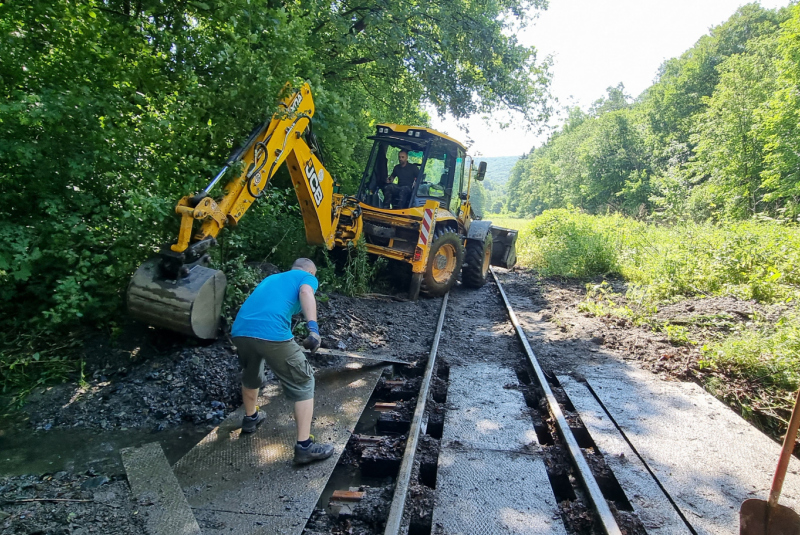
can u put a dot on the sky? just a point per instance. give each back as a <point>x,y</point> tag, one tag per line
<point>596,44</point>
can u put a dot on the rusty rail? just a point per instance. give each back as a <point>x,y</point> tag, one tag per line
<point>584,472</point>
<point>404,476</point>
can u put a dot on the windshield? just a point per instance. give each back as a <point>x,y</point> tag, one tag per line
<point>399,176</point>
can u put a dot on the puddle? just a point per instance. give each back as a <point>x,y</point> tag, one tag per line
<point>23,451</point>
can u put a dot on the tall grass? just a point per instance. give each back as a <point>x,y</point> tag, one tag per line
<point>568,244</point>
<point>750,260</point>
<point>516,223</point>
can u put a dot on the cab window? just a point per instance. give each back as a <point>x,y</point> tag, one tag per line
<point>458,183</point>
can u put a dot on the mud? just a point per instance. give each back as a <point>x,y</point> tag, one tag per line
<point>150,379</point>
<point>65,502</point>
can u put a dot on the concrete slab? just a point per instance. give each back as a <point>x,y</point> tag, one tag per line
<point>707,458</point>
<point>649,502</point>
<point>481,413</point>
<point>152,481</point>
<point>491,477</point>
<point>247,483</point>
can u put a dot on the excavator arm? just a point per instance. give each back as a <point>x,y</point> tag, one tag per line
<point>280,141</point>
<point>178,290</point>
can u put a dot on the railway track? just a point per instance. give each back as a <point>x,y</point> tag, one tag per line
<point>584,496</point>
<point>478,437</point>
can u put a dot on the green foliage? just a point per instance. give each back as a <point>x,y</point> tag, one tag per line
<point>568,243</point>
<point>272,231</point>
<point>357,275</point>
<point>35,358</point>
<point>729,150</point>
<point>769,353</point>
<point>755,367</point>
<point>242,280</point>
<point>766,358</point>
<point>112,110</point>
<point>478,198</point>
<point>494,186</point>
<point>780,134</point>
<point>748,260</point>
<point>601,300</point>
<point>508,222</point>
<point>498,170</point>
<point>597,162</point>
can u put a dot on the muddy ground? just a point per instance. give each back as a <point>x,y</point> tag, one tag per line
<point>570,336</point>
<point>150,380</point>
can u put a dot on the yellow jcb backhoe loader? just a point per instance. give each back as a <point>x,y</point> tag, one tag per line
<point>434,229</point>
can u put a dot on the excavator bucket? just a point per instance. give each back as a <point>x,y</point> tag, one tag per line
<point>189,305</point>
<point>504,247</point>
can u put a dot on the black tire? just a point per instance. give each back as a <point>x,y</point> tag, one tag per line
<point>444,263</point>
<point>477,261</point>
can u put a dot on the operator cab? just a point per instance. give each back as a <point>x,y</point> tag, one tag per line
<point>440,161</point>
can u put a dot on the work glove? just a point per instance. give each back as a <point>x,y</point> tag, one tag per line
<point>313,340</point>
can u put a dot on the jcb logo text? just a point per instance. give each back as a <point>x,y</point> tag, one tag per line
<point>314,181</point>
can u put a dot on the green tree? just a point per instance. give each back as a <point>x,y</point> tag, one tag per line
<point>682,82</point>
<point>729,150</point>
<point>596,161</point>
<point>112,110</point>
<point>781,133</point>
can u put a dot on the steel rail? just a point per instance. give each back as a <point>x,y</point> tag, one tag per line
<point>404,475</point>
<point>584,472</point>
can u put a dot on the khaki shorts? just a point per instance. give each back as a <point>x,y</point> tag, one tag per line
<point>285,359</point>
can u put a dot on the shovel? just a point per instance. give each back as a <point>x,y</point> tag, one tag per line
<point>759,517</point>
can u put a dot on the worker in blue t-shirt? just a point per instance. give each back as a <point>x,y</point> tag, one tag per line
<point>262,334</point>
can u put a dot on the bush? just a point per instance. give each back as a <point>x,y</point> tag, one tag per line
<point>357,274</point>
<point>748,260</point>
<point>756,370</point>
<point>568,243</point>
<point>768,354</point>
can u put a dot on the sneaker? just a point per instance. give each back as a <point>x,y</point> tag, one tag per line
<point>314,452</point>
<point>249,423</point>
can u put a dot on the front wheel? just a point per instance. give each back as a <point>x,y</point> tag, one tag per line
<point>478,259</point>
<point>444,263</point>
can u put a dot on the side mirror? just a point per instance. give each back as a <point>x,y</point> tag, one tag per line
<point>481,171</point>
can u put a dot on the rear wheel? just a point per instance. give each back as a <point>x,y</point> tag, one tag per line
<point>477,261</point>
<point>444,263</point>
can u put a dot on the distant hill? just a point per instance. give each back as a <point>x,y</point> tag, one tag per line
<point>498,169</point>
<point>493,189</point>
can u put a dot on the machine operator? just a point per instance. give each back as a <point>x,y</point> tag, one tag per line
<point>406,173</point>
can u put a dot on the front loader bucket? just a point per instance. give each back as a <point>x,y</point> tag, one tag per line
<point>190,305</point>
<point>504,247</point>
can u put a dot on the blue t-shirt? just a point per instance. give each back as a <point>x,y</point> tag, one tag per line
<point>267,313</point>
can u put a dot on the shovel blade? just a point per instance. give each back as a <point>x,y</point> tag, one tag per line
<point>756,518</point>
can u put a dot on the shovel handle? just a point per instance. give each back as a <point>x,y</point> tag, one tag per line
<point>786,454</point>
